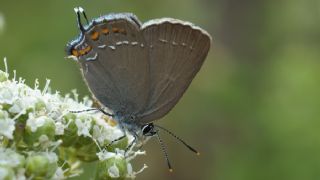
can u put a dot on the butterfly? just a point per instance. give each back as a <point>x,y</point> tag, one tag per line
<point>139,71</point>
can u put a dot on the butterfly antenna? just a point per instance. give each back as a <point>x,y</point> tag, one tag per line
<point>84,14</point>
<point>79,10</point>
<point>179,139</point>
<point>164,150</point>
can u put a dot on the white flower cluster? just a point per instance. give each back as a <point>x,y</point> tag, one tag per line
<point>41,139</point>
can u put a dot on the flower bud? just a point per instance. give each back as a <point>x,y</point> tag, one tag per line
<point>41,166</point>
<point>3,76</point>
<point>70,135</point>
<point>39,105</point>
<point>112,168</point>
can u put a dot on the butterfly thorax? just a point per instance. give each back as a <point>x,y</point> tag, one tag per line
<point>128,122</point>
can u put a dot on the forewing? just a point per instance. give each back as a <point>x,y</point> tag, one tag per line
<point>177,50</point>
<point>117,68</point>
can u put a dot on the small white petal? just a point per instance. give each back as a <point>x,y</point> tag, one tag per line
<point>7,126</point>
<point>104,155</point>
<point>114,171</point>
<point>35,123</point>
<point>59,128</point>
<point>59,174</point>
<point>43,138</point>
<point>129,169</point>
<point>8,93</point>
<point>52,157</point>
<point>83,127</point>
<point>8,158</point>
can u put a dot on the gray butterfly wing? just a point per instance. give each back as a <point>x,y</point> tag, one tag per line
<point>177,49</point>
<point>117,68</point>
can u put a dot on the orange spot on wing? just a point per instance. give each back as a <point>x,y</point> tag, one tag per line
<point>85,50</point>
<point>75,52</point>
<point>81,52</point>
<point>105,31</point>
<point>119,30</point>
<point>123,31</point>
<point>115,30</point>
<point>95,35</point>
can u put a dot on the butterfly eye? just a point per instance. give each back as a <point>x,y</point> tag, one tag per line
<point>148,130</point>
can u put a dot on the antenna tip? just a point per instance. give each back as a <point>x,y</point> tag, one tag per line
<point>170,170</point>
<point>198,153</point>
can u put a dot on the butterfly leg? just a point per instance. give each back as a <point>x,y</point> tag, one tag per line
<point>132,143</point>
<point>121,137</point>
<point>115,140</point>
<point>85,110</point>
<point>93,109</point>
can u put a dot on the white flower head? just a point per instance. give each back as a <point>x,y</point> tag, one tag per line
<point>47,116</point>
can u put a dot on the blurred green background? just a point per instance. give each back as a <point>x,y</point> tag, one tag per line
<point>252,111</point>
